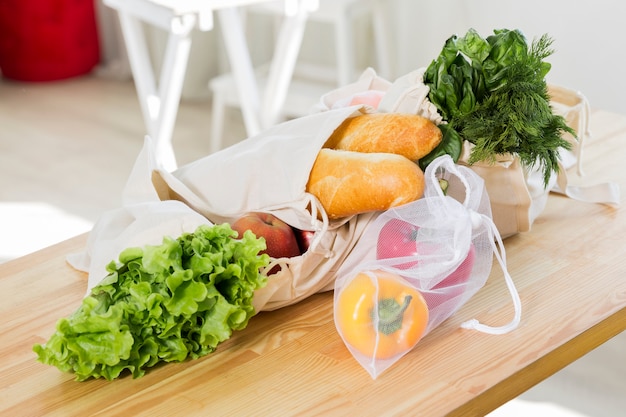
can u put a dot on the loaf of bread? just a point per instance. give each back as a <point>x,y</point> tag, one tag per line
<point>408,135</point>
<point>348,183</point>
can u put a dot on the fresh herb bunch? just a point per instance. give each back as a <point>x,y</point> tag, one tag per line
<point>493,93</point>
<point>161,303</point>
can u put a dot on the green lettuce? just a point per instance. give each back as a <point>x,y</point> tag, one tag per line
<point>162,303</point>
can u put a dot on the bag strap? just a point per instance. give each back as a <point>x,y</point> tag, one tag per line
<point>317,211</point>
<point>478,220</point>
<point>583,130</point>
<point>500,254</point>
<point>605,193</point>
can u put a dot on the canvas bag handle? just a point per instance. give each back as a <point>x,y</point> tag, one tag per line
<point>604,193</point>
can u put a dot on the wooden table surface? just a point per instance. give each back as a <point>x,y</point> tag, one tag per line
<point>570,271</point>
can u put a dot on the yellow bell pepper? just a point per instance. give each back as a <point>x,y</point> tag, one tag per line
<point>380,315</point>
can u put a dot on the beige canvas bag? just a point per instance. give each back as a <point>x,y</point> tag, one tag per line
<point>266,173</point>
<point>517,195</point>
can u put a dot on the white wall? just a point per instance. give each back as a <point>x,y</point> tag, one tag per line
<point>588,37</point>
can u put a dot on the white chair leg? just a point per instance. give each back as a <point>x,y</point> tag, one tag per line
<point>381,38</point>
<point>159,104</point>
<point>217,121</point>
<point>170,90</point>
<point>344,49</point>
<point>241,66</point>
<point>282,65</point>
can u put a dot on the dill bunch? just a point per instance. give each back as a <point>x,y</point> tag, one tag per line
<point>493,93</point>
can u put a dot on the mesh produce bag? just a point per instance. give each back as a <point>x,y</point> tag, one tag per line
<point>416,265</point>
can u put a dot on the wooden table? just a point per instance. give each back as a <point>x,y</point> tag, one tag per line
<point>570,271</point>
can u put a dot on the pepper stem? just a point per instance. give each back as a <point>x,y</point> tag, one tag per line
<point>390,314</point>
<point>444,186</point>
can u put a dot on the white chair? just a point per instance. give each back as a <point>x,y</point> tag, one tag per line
<point>309,81</point>
<point>159,97</point>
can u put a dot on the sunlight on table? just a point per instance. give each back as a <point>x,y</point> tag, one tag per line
<point>522,408</point>
<point>30,226</point>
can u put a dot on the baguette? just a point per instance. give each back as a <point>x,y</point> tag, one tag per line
<point>348,183</point>
<point>409,135</point>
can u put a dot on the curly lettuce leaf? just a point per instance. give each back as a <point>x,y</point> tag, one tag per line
<point>162,303</point>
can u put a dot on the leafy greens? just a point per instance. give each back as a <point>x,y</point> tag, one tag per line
<point>493,93</point>
<point>161,303</point>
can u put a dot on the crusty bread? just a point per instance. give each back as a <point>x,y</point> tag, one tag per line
<point>348,183</point>
<point>408,135</point>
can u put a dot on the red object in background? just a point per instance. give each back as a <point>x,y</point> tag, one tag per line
<point>45,40</point>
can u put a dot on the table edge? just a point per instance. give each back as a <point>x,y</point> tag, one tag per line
<point>544,367</point>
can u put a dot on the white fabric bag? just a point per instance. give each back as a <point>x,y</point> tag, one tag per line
<point>265,173</point>
<point>368,90</point>
<point>442,246</point>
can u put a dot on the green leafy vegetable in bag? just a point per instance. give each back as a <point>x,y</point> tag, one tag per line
<point>161,303</point>
<point>493,93</point>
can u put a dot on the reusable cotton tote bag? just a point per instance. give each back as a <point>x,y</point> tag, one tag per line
<point>442,246</point>
<point>517,194</point>
<point>265,173</point>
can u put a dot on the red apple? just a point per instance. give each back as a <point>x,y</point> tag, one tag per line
<point>279,236</point>
<point>304,238</point>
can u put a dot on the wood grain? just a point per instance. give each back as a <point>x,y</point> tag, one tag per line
<point>569,271</point>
